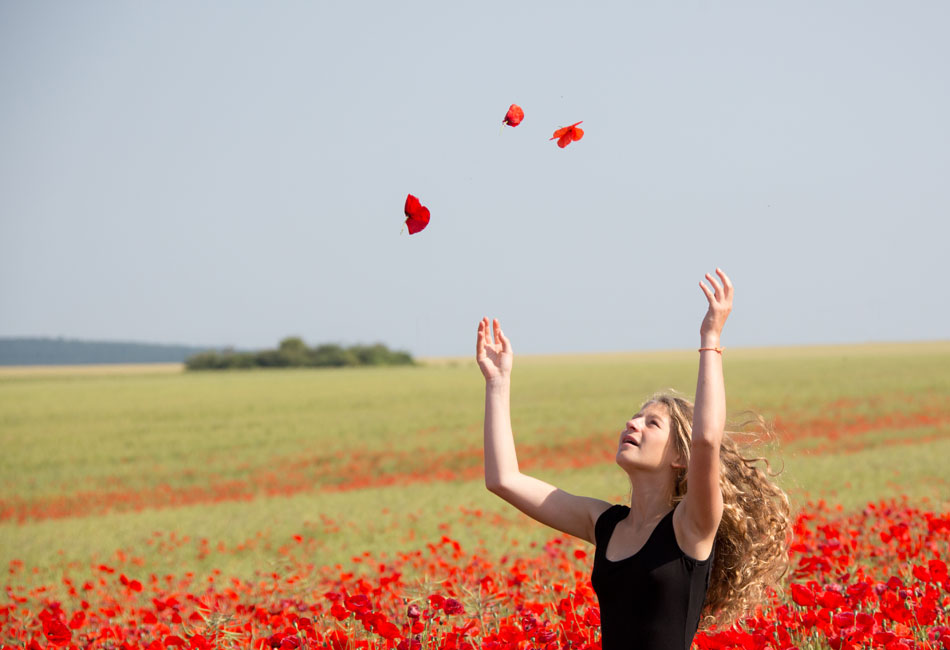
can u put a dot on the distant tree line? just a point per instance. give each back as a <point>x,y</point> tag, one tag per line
<point>294,353</point>
<point>30,351</point>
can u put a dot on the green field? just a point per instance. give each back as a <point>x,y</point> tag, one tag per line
<point>152,462</point>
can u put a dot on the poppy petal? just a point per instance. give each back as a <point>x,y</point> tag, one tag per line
<point>412,205</point>
<point>570,132</point>
<point>418,221</point>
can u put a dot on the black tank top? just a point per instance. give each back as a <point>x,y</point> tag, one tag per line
<point>651,600</point>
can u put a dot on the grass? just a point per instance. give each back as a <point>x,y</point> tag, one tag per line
<point>122,432</point>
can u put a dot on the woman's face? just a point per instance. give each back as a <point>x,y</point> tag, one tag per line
<point>645,442</point>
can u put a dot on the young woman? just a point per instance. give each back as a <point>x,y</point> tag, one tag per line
<point>706,529</point>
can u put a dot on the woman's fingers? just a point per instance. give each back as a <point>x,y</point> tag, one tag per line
<point>480,339</point>
<point>505,343</point>
<point>501,341</point>
<point>727,287</point>
<point>718,293</point>
<point>489,335</point>
<point>726,282</point>
<point>715,285</point>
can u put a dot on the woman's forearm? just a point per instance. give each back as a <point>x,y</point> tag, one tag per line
<point>709,416</point>
<point>501,460</point>
<point>709,411</point>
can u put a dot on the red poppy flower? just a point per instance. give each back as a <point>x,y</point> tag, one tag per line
<point>802,595</point>
<point>388,631</point>
<point>592,616</point>
<point>339,612</point>
<point>843,619</point>
<point>830,599</point>
<point>453,606</point>
<point>417,215</point>
<point>938,570</point>
<point>57,632</point>
<point>514,115</point>
<point>198,642</point>
<point>358,603</point>
<point>546,635</point>
<point>77,620</point>
<point>568,134</point>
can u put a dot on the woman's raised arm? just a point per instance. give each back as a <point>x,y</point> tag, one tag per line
<point>703,502</point>
<point>541,501</point>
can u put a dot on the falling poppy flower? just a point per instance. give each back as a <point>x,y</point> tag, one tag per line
<point>514,115</point>
<point>568,134</point>
<point>417,215</point>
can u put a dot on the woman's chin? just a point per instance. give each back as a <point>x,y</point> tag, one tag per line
<point>626,464</point>
<point>633,465</point>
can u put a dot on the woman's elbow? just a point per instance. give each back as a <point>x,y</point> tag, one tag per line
<point>497,486</point>
<point>708,441</point>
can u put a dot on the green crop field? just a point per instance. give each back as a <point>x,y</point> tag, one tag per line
<point>219,471</point>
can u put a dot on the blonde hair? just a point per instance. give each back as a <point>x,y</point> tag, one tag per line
<point>751,550</point>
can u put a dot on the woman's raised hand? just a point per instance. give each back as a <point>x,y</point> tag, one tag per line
<point>494,357</point>
<point>720,304</point>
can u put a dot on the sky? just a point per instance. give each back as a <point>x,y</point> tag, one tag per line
<point>234,173</point>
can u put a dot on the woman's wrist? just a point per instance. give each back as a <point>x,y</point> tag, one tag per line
<point>498,384</point>
<point>709,341</point>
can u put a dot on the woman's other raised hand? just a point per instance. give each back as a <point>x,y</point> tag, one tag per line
<point>720,304</point>
<point>494,356</point>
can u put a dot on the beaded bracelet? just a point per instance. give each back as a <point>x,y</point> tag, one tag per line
<point>719,350</point>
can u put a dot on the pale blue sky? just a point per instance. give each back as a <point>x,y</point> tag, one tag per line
<point>232,173</point>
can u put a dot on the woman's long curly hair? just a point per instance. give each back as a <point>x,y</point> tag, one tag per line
<point>751,550</point>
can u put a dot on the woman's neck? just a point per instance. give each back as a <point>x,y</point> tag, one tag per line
<point>650,497</point>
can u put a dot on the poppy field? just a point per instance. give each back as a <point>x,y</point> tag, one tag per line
<point>345,508</point>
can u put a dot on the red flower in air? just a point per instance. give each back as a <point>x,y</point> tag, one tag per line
<point>568,134</point>
<point>417,215</point>
<point>514,115</point>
